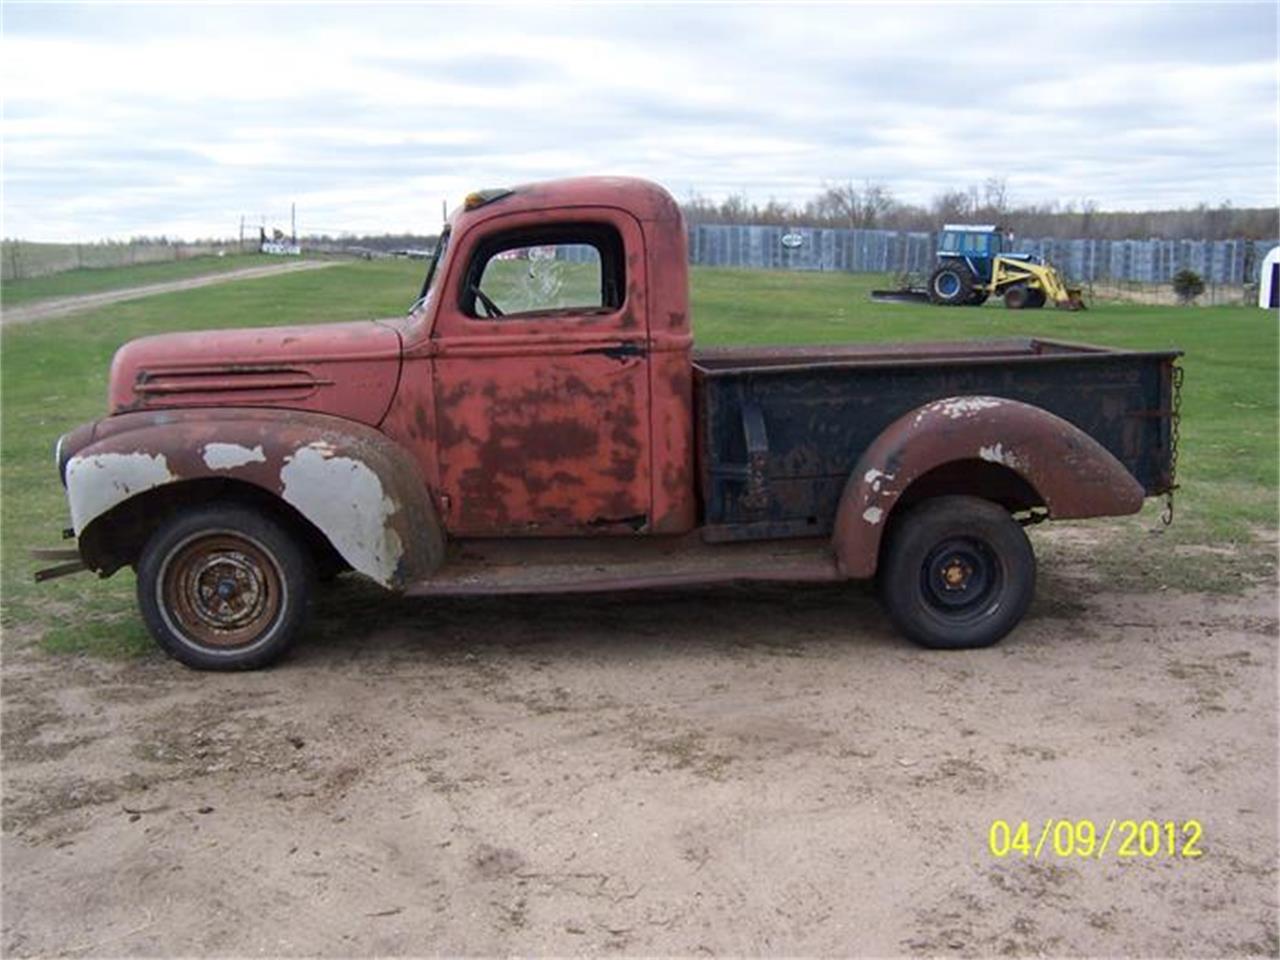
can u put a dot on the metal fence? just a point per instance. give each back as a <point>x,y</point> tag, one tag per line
<point>22,260</point>
<point>893,251</point>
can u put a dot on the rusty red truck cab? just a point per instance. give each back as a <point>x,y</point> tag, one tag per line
<point>540,422</point>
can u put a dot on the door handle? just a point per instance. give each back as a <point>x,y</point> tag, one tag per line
<point>620,351</point>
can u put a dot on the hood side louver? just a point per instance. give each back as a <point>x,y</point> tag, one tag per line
<point>193,384</point>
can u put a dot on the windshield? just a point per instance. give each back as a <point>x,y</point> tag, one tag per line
<point>429,284</point>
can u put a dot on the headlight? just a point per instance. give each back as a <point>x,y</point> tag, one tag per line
<point>71,443</point>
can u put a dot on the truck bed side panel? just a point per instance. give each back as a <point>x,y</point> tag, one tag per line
<point>803,426</point>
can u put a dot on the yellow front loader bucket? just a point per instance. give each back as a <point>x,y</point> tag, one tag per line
<point>1006,273</point>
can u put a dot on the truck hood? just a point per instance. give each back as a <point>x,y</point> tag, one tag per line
<point>344,369</point>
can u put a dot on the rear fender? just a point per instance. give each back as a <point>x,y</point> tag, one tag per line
<point>1071,473</point>
<point>353,484</point>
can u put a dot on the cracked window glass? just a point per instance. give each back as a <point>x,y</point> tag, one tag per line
<point>534,279</point>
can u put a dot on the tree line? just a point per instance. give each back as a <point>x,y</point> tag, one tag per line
<point>872,206</point>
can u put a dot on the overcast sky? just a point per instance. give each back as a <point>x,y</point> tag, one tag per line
<point>177,119</point>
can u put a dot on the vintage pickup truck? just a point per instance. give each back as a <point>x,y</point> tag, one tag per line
<point>540,422</point>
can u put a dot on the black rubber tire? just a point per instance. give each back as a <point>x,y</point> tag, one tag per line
<point>286,567</point>
<point>1017,296</point>
<point>978,297</point>
<point>945,530</point>
<point>1036,300</point>
<point>963,284</point>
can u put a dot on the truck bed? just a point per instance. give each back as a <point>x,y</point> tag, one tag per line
<point>803,415</point>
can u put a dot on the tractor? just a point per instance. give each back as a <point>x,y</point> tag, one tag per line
<point>973,265</point>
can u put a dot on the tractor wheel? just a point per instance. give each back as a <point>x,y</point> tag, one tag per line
<point>1017,296</point>
<point>977,298</point>
<point>1035,299</point>
<point>951,285</point>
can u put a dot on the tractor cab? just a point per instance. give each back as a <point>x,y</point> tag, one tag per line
<point>977,245</point>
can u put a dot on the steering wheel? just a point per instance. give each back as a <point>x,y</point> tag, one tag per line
<point>491,309</point>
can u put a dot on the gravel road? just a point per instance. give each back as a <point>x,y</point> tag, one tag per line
<point>65,306</point>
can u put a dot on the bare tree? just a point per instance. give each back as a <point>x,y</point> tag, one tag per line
<point>995,195</point>
<point>950,205</point>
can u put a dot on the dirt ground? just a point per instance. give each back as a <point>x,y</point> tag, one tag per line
<point>1163,295</point>
<point>65,306</point>
<point>730,771</point>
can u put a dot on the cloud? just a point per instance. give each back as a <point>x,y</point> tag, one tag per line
<point>129,119</point>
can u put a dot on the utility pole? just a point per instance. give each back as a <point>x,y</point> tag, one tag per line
<point>242,233</point>
<point>444,211</point>
<point>293,223</point>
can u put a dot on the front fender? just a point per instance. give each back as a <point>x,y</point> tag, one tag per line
<point>360,489</point>
<point>1071,473</point>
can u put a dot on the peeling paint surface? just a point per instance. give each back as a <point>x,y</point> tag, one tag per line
<point>356,511</point>
<point>965,406</point>
<point>228,456</point>
<point>957,408</point>
<point>996,453</point>
<point>98,482</point>
<point>872,515</point>
<point>876,479</point>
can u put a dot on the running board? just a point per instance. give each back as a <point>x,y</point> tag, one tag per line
<point>491,567</point>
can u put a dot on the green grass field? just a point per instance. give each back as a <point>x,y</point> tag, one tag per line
<point>53,377</point>
<point>101,279</point>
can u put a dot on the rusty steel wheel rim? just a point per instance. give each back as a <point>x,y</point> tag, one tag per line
<point>221,590</point>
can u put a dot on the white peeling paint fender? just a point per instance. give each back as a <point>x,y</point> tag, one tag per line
<point>98,482</point>
<point>356,486</point>
<point>356,508</point>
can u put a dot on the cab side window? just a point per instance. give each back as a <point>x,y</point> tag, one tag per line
<point>567,269</point>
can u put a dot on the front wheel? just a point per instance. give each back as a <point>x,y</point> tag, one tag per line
<point>223,588</point>
<point>958,572</point>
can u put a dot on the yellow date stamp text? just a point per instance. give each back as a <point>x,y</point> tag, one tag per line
<point>1094,840</point>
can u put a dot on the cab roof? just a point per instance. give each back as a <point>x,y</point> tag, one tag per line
<point>643,199</point>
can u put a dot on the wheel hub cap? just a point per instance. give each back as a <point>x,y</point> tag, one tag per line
<point>955,576</point>
<point>229,590</point>
<point>959,577</point>
<point>222,590</point>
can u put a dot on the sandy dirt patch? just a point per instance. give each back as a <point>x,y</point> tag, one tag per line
<point>729,771</point>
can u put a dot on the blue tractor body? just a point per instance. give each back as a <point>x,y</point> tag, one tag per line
<point>974,264</point>
<point>977,246</point>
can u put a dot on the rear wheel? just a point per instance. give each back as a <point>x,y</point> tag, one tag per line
<point>1017,296</point>
<point>958,572</point>
<point>951,284</point>
<point>223,588</point>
